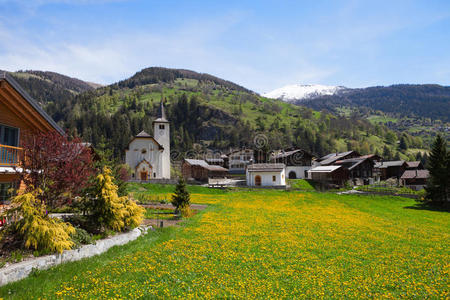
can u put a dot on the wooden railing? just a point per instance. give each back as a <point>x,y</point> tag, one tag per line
<point>9,155</point>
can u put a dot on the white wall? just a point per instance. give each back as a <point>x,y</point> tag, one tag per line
<point>134,155</point>
<point>267,178</point>
<point>163,137</point>
<point>299,171</point>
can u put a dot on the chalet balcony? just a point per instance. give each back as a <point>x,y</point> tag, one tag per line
<point>9,156</point>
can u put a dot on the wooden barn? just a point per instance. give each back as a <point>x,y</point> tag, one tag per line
<point>390,169</point>
<point>329,174</point>
<point>200,170</point>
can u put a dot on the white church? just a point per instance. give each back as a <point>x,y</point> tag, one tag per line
<point>147,156</point>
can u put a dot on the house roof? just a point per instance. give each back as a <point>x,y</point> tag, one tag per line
<point>266,167</point>
<point>420,174</point>
<point>387,164</point>
<point>332,157</point>
<point>204,164</point>
<point>283,154</point>
<point>413,164</point>
<point>324,169</point>
<point>372,156</point>
<point>352,163</point>
<point>143,134</point>
<point>214,160</point>
<point>8,78</point>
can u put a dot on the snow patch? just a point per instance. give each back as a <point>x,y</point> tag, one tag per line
<point>300,92</point>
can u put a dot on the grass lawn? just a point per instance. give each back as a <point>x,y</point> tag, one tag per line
<point>269,244</point>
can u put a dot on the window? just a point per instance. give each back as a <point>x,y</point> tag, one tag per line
<point>161,126</point>
<point>9,136</point>
<point>7,190</point>
<point>143,151</point>
<point>274,178</point>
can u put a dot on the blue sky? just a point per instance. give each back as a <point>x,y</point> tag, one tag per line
<point>261,45</point>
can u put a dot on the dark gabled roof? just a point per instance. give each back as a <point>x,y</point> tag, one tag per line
<point>387,164</point>
<point>8,78</point>
<point>332,157</point>
<point>413,164</point>
<point>352,163</point>
<point>266,167</point>
<point>283,154</point>
<point>143,134</point>
<point>420,174</point>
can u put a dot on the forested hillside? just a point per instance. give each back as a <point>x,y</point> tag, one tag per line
<point>207,112</point>
<point>426,100</point>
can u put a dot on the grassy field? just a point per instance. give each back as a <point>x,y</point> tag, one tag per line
<point>269,244</point>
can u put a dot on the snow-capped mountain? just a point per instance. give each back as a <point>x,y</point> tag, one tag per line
<point>297,92</point>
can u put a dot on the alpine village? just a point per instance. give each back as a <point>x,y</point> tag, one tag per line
<point>178,184</point>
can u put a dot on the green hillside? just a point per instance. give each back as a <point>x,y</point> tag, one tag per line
<point>209,112</point>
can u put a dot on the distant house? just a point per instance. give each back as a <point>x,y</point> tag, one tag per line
<point>200,170</point>
<point>415,179</point>
<point>215,161</point>
<point>19,114</point>
<point>331,158</point>
<point>360,168</point>
<point>329,174</point>
<point>373,157</point>
<point>390,169</point>
<point>239,160</point>
<point>266,175</point>
<point>297,162</point>
<point>414,165</point>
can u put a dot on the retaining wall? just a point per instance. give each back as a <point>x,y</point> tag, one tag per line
<point>21,270</point>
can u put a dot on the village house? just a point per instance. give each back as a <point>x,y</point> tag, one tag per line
<point>239,160</point>
<point>19,115</point>
<point>200,170</point>
<point>360,169</point>
<point>148,156</point>
<point>415,179</point>
<point>297,162</point>
<point>389,169</point>
<point>271,175</point>
<point>329,174</point>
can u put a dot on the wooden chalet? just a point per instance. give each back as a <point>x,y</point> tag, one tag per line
<point>360,168</point>
<point>200,170</point>
<point>415,179</point>
<point>329,174</point>
<point>414,165</point>
<point>19,115</point>
<point>390,169</point>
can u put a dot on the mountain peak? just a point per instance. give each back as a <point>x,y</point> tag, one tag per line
<point>296,92</point>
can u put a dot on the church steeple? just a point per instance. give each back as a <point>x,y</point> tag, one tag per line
<point>161,113</point>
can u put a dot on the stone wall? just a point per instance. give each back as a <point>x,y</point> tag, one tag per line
<point>21,270</point>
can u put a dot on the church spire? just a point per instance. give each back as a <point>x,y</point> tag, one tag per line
<point>162,111</point>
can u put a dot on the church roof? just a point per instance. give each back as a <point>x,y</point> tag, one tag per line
<point>143,134</point>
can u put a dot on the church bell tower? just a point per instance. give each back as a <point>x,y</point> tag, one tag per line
<point>161,133</point>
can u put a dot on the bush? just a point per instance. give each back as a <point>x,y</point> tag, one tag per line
<point>81,237</point>
<point>37,229</point>
<point>110,210</point>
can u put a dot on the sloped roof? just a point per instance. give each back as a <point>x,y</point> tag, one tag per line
<point>161,114</point>
<point>8,78</point>
<point>266,167</point>
<point>420,174</point>
<point>143,134</point>
<point>283,154</point>
<point>353,162</point>
<point>387,164</point>
<point>204,164</point>
<point>413,164</point>
<point>324,169</point>
<point>332,157</point>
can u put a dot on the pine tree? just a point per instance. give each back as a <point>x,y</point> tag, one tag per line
<point>438,187</point>
<point>181,196</point>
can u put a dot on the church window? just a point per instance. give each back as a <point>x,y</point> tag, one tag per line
<point>161,126</point>
<point>143,151</point>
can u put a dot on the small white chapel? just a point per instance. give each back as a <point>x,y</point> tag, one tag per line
<point>149,156</point>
